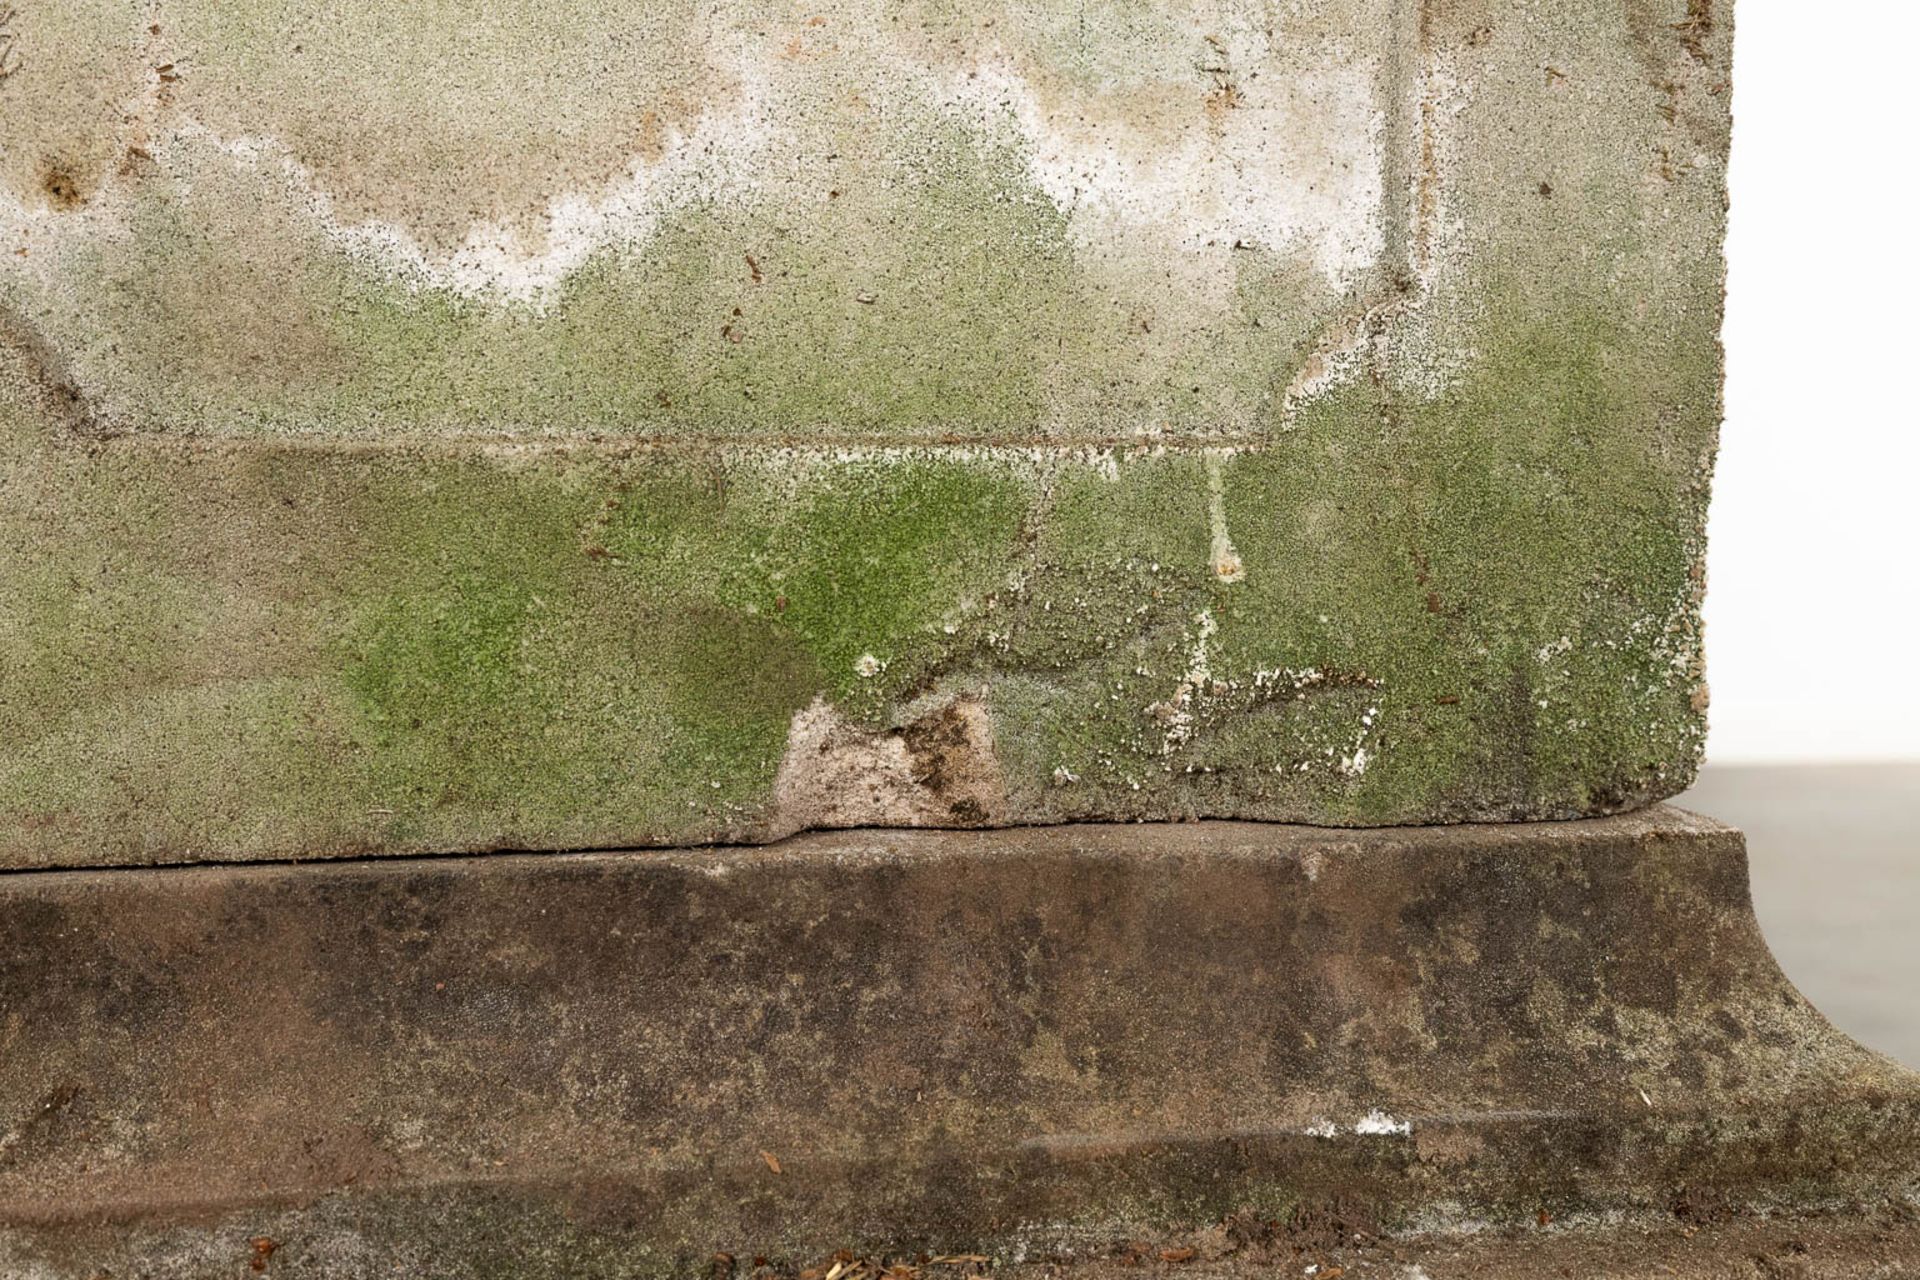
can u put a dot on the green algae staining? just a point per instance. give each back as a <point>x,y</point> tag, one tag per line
<point>502,651</point>
<point>1467,618</point>
<point>901,412</point>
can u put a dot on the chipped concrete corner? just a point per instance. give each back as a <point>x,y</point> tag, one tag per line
<point>879,411</point>
<point>939,770</point>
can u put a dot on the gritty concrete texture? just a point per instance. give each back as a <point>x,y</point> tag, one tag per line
<point>431,427</point>
<point>1684,1243</point>
<point>1676,1243</point>
<point>1681,1243</point>
<point>1024,1043</point>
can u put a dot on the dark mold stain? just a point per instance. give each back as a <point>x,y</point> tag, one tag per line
<point>61,187</point>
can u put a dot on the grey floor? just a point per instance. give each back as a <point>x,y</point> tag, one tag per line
<point>1835,852</point>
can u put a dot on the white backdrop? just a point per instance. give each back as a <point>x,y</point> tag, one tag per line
<point>1813,589</point>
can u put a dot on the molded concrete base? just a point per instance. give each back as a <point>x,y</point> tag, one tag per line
<point>1039,1039</point>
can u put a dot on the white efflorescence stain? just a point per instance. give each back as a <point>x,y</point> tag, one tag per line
<point>1296,166</point>
<point>1378,1123</point>
<point>713,163</point>
<point>1176,712</point>
<point>1375,1124</point>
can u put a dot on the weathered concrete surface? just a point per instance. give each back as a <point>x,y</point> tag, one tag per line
<point>1678,1242</point>
<point>1047,1039</point>
<point>1685,1243</point>
<point>431,429</point>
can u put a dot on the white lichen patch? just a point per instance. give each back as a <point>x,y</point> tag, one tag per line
<point>1176,712</point>
<point>1354,763</point>
<point>1374,1124</point>
<point>1377,1123</point>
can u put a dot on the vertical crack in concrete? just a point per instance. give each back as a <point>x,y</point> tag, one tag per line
<point>1410,209</point>
<point>1427,176</point>
<point>1417,193</point>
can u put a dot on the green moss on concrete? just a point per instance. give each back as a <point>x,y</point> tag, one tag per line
<point>1469,582</point>
<point>880,558</point>
<point>1479,603</point>
<point>1489,593</point>
<point>435,672</point>
<point>509,667</point>
<point>872,557</point>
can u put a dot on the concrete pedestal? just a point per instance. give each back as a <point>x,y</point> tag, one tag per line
<point>1015,1042</point>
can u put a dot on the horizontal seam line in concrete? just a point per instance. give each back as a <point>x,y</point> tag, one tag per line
<point>128,439</point>
<point>1311,835</point>
<point>560,1182</point>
